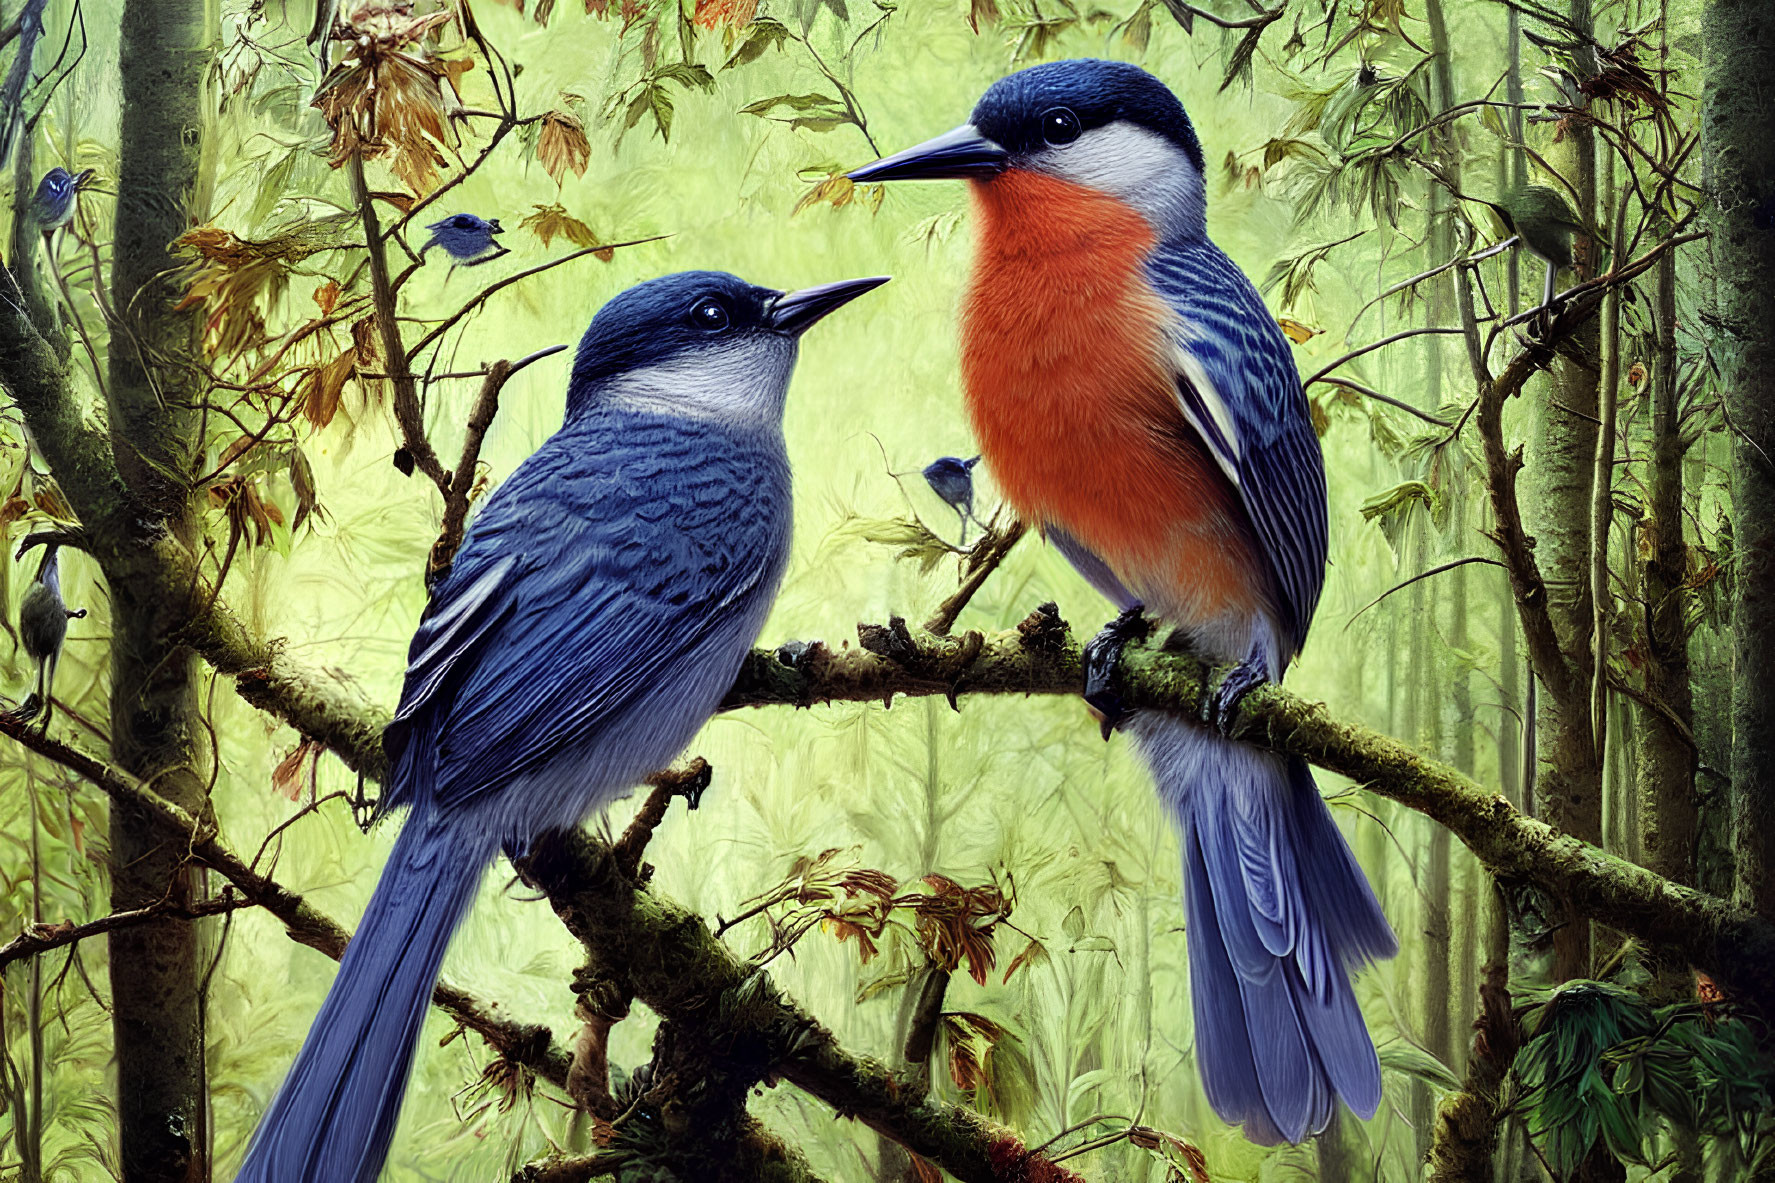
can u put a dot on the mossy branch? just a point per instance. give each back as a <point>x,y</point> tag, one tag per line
<point>666,956</point>
<point>1040,657</point>
<point>526,1044</point>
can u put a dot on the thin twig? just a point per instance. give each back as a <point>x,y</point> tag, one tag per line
<point>1438,570</point>
<point>988,553</point>
<point>1377,396</point>
<point>481,297</point>
<point>41,938</point>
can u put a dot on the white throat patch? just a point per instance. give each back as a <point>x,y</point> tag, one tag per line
<point>738,384</point>
<point>1136,166</point>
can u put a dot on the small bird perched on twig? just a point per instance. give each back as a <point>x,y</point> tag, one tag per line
<point>57,196</point>
<point>43,625</point>
<point>468,240</point>
<point>952,479</point>
<point>1541,217</point>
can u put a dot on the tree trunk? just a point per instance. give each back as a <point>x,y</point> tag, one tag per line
<point>1666,770</point>
<point>1738,124</point>
<point>157,969</point>
<point>1568,789</point>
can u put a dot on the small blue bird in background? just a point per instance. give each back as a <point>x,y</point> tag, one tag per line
<point>468,240</point>
<point>43,625</point>
<point>952,479</point>
<point>54,202</point>
<point>599,609</point>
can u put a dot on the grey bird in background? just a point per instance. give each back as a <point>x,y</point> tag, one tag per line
<point>43,625</point>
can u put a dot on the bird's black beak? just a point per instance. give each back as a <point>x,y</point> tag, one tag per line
<point>796,312</point>
<point>963,152</point>
<point>83,178</point>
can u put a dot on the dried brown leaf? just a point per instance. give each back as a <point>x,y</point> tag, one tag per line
<point>735,14</point>
<point>551,220</point>
<point>286,778</point>
<point>325,385</point>
<point>562,146</point>
<point>391,94</point>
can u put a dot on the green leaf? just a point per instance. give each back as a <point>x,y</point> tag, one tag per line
<point>661,104</point>
<point>1074,924</point>
<point>686,75</point>
<point>1414,1061</point>
<point>797,103</point>
<point>761,35</point>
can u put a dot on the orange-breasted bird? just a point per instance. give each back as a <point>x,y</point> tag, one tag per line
<point>1136,401</point>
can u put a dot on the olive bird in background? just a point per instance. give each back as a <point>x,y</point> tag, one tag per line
<point>1138,403</point>
<point>468,240</point>
<point>57,195</point>
<point>43,625</point>
<point>597,612</point>
<point>952,479</point>
<point>1544,221</point>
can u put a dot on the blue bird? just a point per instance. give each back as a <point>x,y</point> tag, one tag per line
<point>1137,403</point>
<point>597,612</point>
<point>467,239</point>
<point>53,204</point>
<point>952,479</point>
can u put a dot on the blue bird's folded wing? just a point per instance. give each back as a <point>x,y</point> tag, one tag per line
<point>1239,389</point>
<point>593,582</point>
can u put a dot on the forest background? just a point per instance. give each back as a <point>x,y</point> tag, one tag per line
<point>256,440</point>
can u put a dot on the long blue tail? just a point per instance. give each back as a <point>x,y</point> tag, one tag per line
<point>335,1114</point>
<point>1280,915</point>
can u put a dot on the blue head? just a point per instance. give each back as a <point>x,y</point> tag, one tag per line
<point>952,479</point>
<point>464,236</point>
<point>1109,126</point>
<point>700,344</point>
<point>52,205</point>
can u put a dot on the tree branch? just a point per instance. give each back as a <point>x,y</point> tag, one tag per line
<point>1576,306</point>
<point>666,956</point>
<point>42,938</point>
<point>988,553</point>
<point>397,362</point>
<point>525,1044</point>
<point>1040,657</point>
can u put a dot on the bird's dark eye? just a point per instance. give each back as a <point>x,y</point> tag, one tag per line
<point>1060,125</point>
<point>463,222</point>
<point>709,314</point>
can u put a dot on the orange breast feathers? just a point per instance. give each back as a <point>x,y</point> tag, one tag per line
<point>1069,385</point>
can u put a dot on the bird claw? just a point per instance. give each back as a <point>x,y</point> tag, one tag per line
<point>1101,655</point>
<point>1223,705</point>
<point>28,712</point>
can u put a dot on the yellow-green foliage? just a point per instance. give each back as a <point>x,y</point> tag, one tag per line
<point>1023,791</point>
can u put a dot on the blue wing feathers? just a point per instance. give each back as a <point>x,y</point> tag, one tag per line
<point>621,607</point>
<point>1226,327</point>
<point>577,645</point>
<point>1280,916</point>
<point>335,1113</point>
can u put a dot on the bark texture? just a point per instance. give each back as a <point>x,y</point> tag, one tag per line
<point>1665,738</point>
<point>1738,125</point>
<point>156,968</point>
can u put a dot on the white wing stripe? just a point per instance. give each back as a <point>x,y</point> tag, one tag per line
<point>1207,411</point>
